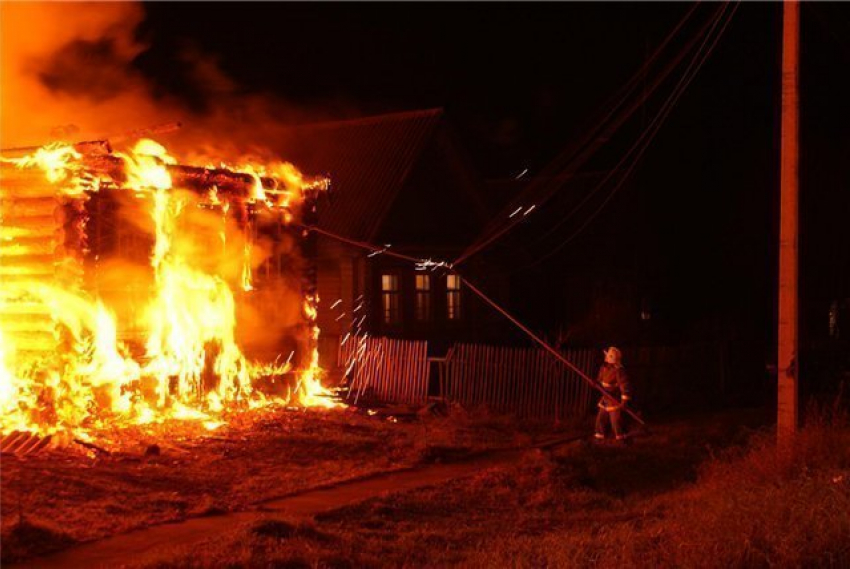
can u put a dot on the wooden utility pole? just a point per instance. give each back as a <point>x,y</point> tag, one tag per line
<point>788,365</point>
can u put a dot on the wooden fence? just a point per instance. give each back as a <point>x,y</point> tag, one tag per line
<point>526,381</point>
<point>390,370</point>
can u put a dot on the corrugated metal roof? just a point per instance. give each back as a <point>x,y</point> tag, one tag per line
<point>368,161</point>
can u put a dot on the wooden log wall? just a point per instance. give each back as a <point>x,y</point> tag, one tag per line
<point>41,241</point>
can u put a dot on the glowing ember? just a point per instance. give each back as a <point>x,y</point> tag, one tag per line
<point>62,366</point>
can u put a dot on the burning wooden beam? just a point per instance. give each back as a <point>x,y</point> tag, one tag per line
<point>195,178</point>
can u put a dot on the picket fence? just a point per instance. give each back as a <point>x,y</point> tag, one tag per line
<point>527,382</point>
<point>390,370</point>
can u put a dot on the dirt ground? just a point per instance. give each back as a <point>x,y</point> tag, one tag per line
<point>706,491</point>
<point>65,496</point>
<point>702,490</point>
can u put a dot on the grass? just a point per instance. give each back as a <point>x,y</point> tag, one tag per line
<point>705,492</point>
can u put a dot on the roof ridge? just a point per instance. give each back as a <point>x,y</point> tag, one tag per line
<point>412,154</point>
<point>373,119</point>
<point>368,164</point>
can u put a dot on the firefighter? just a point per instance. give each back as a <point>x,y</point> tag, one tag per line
<point>613,379</point>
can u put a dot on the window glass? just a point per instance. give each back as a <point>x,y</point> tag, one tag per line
<point>452,297</point>
<point>423,297</point>
<point>390,299</point>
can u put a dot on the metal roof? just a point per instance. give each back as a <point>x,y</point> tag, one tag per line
<point>368,161</point>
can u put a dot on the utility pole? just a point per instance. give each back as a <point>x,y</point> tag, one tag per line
<point>789,365</point>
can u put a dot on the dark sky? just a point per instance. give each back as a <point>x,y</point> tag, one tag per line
<point>518,81</point>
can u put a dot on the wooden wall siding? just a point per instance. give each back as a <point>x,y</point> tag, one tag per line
<point>525,381</point>
<point>335,276</point>
<point>394,370</point>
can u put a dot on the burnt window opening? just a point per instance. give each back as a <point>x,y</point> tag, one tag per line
<point>453,310</point>
<point>390,300</point>
<point>423,298</point>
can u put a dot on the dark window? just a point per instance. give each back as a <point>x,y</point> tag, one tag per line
<point>390,298</point>
<point>645,310</point>
<point>423,297</point>
<point>453,297</point>
<point>833,319</point>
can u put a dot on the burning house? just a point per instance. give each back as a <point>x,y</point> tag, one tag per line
<point>134,288</point>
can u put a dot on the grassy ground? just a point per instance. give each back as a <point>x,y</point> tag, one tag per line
<point>60,497</point>
<point>701,492</point>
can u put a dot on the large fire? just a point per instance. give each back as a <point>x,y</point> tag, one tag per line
<point>63,364</point>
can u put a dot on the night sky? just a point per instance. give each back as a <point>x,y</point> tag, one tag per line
<point>519,81</point>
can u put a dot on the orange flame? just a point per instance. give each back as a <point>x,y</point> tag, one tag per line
<point>192,363</point>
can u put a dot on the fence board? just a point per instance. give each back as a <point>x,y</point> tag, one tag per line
<point>525,381</point>
<point>394,370</point>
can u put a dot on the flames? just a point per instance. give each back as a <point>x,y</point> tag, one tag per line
<point>190,364</point>
<point>56,160</point>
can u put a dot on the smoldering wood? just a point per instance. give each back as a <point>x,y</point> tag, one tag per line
<point>224,180</point>
<point>92,446</point>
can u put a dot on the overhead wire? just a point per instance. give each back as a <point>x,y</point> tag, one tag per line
<point>568,162</point>
<point>638,141</point>
<point>374,249</point>
<point>640,146</point>
<point>575,154</point>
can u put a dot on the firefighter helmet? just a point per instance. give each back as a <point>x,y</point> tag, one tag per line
<point>613,355</point>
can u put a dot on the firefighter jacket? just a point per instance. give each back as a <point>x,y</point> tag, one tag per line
<point>615,382</point>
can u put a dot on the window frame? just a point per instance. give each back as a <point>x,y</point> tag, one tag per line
<point>390,299</point>
<point>454,304</point>
<point>422,303</point>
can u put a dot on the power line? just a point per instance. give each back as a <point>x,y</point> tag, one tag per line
<point>569,161</point>
<point>640,138</point>
<point>646,138</point>
<point>374,249</point>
